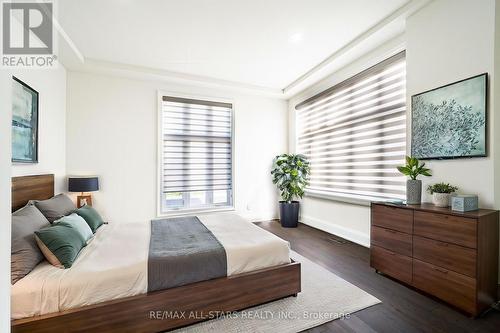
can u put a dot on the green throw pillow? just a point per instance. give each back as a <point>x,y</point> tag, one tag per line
<point>91,216</point>
<point>60,244</point>
<point>79,224</point>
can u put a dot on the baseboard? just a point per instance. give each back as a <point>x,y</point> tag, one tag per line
<point>258,217</point>
<point>337,230</point>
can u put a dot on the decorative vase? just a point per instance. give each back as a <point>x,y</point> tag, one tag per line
<point>289,214</point>
<point>441,199</point>
<point>413,192</point>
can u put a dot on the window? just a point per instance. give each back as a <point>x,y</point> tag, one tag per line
<point>196,154</point>
<point>355,134</point>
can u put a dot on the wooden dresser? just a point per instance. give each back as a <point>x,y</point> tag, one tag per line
<point>447,254</point>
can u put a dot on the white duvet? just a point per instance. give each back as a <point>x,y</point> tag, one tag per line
<point>115,265</point>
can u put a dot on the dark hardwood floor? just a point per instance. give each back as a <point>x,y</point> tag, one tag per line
<point>402,309</point>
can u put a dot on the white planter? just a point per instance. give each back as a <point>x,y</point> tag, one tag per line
<point>441,199</point>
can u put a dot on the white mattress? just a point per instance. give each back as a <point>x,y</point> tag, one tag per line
<point>114,265</point>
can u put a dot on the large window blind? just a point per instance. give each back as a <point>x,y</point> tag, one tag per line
<point>196,163</point>
<point>355,134</point>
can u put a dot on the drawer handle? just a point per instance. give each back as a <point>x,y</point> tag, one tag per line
<point>444,271</point>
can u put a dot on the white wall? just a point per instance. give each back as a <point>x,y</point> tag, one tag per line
<point>112,132</point>
<point>440,48</point>
<point>51,86</point>
<point>5,148</point>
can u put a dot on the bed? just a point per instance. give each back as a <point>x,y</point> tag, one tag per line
<point>108,293</point>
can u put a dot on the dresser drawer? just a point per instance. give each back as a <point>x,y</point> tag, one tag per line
<point>453,257</point>
<point>454,288</point>
<point>393,218</point>
<point>447,228</point>
<point>391,263</point>
<point>392,240</point>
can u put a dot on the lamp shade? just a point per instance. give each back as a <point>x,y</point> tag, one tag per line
<point>83,184</point>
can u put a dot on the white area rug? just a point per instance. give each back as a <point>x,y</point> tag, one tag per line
<point>324,297</point>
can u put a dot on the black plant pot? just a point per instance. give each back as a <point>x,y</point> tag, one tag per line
<point>289,214</point>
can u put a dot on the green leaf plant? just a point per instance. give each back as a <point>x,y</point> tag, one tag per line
<point>290,173</point>
<point>414,168</point>
<point>441,188</point>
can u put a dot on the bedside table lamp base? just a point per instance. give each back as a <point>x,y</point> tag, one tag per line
<point>83,200</point>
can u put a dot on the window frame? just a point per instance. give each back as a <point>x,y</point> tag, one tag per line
<point>353,70</point>
<point>159,155</point>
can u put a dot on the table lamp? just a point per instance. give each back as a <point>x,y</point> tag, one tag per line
<point>83,184</point>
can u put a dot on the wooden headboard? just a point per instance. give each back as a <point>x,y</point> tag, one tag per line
<point>25,188</point>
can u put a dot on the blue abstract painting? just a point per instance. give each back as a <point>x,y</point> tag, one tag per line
<point>24,123</point>
<point>450,121</point>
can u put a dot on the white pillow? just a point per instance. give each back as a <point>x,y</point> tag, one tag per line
<point>80,225</point>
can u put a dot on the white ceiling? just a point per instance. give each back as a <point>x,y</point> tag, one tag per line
<point>268,43</point>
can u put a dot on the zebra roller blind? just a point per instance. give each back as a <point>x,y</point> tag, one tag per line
<point>355,134</point>
<point>196,153</point>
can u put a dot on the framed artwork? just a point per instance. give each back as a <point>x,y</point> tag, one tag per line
<point>451,121</point>
<point>24,123</point>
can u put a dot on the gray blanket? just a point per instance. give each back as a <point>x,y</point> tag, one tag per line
<point>182,251</point>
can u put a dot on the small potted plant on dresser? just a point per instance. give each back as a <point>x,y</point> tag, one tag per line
<point>441,194</point>
<point>291,175</point>
<point>413,169</point>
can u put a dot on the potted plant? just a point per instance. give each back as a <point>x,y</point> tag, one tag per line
<point>413,169</point>
<point>291,175</point>
<point>441,193</point>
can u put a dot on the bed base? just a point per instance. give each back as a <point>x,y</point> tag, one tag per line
<point>172,308</point>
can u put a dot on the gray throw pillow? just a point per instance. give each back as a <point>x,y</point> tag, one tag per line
<point>25,254</point>
<point>55,207</point>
